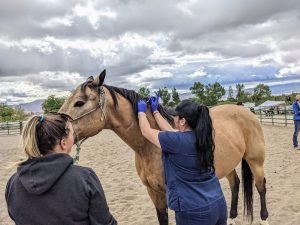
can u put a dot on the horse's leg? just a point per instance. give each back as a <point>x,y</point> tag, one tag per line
<point>160,202</point>
<point>234,183</point>
<point>260,183</point>
<point>162,215</point>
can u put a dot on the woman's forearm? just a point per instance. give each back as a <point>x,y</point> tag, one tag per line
<point>144,124</point>
<point>147,131</point>
<point>162,122</point>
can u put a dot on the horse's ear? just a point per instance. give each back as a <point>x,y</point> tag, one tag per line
<point>102,77</point>
<point>99,80</point>
<point>90,79</point>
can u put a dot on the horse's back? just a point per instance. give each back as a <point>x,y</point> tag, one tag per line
<point>238,135</point>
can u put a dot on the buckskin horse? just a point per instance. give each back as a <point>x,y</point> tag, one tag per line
<point>94,106</point>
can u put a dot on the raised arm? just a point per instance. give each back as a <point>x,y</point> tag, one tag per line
<point>162,122</point>
<point>149,133</point>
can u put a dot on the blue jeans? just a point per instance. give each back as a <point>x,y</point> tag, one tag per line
<point>214,214</point>
<point>296,132</point>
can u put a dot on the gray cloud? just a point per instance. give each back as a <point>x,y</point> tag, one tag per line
<point>14,61</point>
<point>230,40</point>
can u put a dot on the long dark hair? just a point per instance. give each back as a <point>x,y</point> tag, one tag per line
<point>205,138</point>
<point>198,118</point>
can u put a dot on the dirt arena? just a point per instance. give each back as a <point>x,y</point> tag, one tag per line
<point>113,161</point>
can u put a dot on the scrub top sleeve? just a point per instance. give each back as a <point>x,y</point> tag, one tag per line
<point>169,141</point>
<point>296,110</point>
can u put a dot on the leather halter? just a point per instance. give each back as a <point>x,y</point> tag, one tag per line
<point>102,105</point>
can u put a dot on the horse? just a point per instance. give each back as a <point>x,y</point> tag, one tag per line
<point>238,135</point>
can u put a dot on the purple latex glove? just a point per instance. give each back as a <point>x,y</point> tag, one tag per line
<point>154,103</point>
<point>142,106</point>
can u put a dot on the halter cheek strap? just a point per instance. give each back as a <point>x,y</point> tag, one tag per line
<point>102,105</point>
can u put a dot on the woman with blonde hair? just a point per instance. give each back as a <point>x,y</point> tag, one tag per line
<point>47,187</point>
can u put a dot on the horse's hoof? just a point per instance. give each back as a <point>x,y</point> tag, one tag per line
<point>230,221</point>
<point>263,222</point>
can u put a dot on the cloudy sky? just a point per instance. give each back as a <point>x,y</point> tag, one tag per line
<point>51,46</point>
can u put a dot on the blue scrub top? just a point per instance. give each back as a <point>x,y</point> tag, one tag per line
<point>188,187</point>
<point>296,109</point>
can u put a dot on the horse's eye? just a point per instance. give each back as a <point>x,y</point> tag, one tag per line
<point>79,104</point>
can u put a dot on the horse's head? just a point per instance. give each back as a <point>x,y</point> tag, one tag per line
<point>86,105</point>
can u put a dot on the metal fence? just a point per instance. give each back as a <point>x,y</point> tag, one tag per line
<point>280,117</point>
<point>8,128</point>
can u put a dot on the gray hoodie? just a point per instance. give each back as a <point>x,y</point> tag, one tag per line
<point>50,190</point>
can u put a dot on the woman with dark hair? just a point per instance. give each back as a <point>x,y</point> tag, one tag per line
<point>47,188</point>
<point>193,190</point>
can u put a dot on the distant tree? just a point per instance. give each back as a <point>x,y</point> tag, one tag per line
<point>261,92</point>
<point>208,94</point>
<point>241,95</point>
<point>19,114</point>
<point>230,94</point>
<point>6,113</point>
<point>198,90</point>
<point>52,104</point>
<point>164,95</point>
<point>248,97</point>
<point>175,98</point>
<point>214,93</point>
<point>145,92</point>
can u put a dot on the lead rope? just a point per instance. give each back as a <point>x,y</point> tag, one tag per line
<point>102,106</point>
<point>76,157</point>
<point>78,148</point>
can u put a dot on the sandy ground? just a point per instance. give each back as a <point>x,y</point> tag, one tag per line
<point>113,161</point>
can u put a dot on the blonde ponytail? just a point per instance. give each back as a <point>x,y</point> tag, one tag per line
<point>29,136</point>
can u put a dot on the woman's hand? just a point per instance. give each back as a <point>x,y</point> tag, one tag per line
<point>142,106</point>
<point>154,103</point>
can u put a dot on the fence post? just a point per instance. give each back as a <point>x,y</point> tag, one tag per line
<point>260,116</point>
<point>21,127</point>
<point>272,115</point>
<point>285,116</point>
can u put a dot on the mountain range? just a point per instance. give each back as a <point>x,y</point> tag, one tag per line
<point>32,107</point>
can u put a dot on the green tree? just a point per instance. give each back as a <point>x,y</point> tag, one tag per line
<point>52,104</point>
<point>175,97</point>
<point>213,93</point>
<point>230,94</point>
<point>19,114</point>
<point>164,95</point>
<point>145,92</point>
<point>241,95</point>
<point>6,113</point>
<point>261,92</point>
<point>198,90</point>
<point>208,94</point>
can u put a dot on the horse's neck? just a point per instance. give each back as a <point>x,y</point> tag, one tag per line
<point>125,124</point>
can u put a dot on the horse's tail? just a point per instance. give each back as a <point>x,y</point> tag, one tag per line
<point>247,179</point>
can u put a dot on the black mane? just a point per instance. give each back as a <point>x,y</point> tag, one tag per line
<point>130,95</point>
<point>133,98</point>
